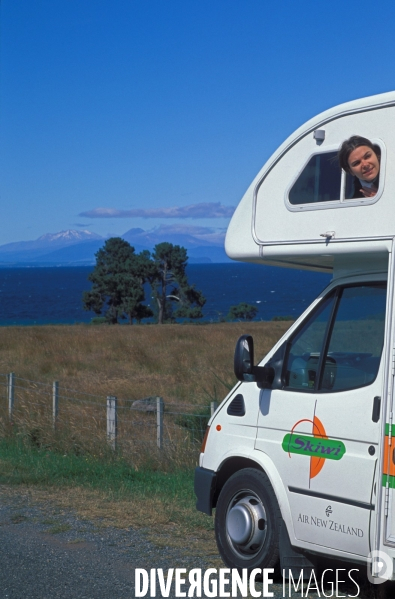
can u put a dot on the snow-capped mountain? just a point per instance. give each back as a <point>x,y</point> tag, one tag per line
<point>69,236</point>
<point>50,240</point>
<point>29,252</point>
<point>73,247</point>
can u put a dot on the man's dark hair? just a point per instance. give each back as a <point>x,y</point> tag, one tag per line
<point>349,146</point>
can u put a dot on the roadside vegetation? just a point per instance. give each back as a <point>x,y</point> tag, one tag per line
<point>185,363</point>
<point>110,492</point>
<point>188,364</point>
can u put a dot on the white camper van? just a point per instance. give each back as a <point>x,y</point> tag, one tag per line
<point>299,459</point>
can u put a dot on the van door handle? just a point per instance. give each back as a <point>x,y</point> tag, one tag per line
<point>376,409</point>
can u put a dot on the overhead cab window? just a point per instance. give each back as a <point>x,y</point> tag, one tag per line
<point>320,181</point>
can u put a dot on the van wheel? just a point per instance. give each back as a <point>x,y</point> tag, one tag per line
<point>247,521</point>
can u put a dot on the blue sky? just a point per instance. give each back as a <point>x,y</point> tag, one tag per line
<point>162,112</point>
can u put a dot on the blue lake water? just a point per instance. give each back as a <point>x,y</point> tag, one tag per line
<point>53,295</point>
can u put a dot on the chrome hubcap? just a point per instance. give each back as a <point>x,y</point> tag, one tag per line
<point>246,524</point>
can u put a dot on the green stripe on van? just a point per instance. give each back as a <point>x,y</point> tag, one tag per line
<point>390,480</point>
<point>387,428</point>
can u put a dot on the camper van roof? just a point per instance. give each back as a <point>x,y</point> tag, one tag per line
<point>359,106</point>
<point>320,224</point>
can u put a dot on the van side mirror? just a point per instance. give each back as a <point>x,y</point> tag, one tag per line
<point>244,365</point>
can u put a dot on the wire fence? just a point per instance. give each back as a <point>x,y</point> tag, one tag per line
<point>50,415</point>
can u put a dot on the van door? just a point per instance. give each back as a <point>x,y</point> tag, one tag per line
<point>321,429</point>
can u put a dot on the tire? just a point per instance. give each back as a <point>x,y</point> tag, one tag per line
<point>383,591</point>
<point>247,521</point>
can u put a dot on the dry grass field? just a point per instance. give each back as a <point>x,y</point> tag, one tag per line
<point>184,364</point>
<point>181,363</point>
<point>189,366</point>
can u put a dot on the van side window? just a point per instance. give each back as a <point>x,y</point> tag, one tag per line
<point>347,330</point>
<point>320,181</point>
<point>306,348</point>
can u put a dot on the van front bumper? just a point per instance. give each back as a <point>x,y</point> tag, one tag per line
<point>205,483</point>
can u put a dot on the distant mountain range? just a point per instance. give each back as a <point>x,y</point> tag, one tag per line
<point>74,248</point>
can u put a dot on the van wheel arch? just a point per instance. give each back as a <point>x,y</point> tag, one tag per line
<point>228,468</point>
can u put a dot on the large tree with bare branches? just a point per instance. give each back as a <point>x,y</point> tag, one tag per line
<point>174,296</point>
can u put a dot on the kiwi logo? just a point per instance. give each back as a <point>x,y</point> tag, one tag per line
<point>317,446</point>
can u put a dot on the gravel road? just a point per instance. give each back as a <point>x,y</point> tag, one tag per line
<point>49,553</point>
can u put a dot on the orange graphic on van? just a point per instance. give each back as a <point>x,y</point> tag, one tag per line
<point>318,446</point>
<point>388,462</point>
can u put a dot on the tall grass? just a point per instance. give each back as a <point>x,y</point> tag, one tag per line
<point>27,466</point>
<point>185,364</point>
<point>181,363</point>
<point>137,485</point>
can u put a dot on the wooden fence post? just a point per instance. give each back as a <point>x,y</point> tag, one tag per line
<point>11,391</point>
<point>112,421</point>
<point>213,407</point>
<point>159,422</point>
<point>55,403</point>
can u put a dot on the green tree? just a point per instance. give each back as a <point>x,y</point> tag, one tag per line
<point>174,296</point>
<point>117,282</point>
<point>242,311</point>
<point>141,268</point>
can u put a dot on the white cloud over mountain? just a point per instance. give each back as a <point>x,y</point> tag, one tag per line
<point>205,235</point>
<point>202,210</point>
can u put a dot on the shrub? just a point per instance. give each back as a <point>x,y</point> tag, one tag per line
<point>99,320</point>
<point>282,318</point>
<point>242,311</point>
<point>195,423</point>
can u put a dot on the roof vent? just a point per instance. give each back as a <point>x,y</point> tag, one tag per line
<point>319,135</point>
